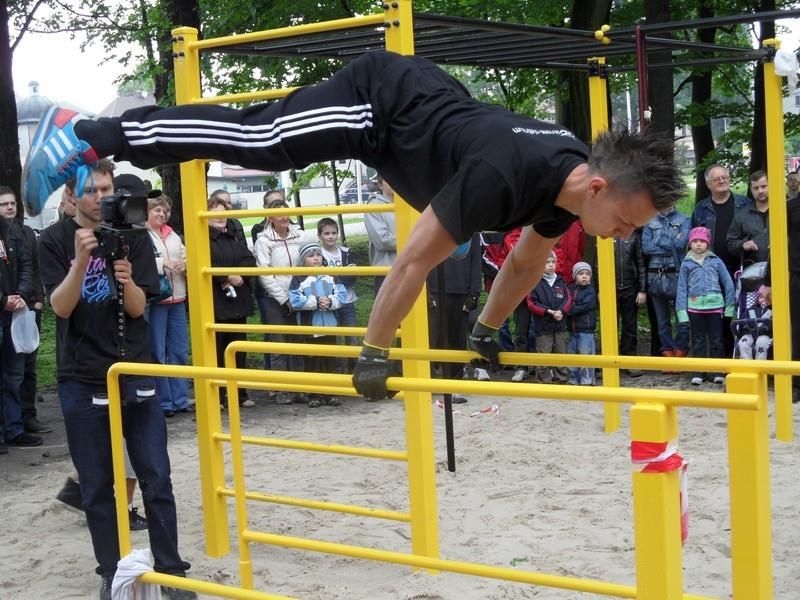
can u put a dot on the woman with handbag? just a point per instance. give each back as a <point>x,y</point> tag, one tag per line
<point>664,241</point>
<point>169,337</point>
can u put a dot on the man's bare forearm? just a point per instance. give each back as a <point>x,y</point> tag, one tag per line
<point>519,274</point>
<point>67,294</point>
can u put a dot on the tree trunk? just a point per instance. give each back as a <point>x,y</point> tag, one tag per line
<point>660,80</point>
<point>181,13</point>
<point>758,140</point>
<point>10,166</point>
<point>702,138</point>
<point>572,99</point>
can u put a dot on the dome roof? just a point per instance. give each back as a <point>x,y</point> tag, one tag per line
<point>31,109</point>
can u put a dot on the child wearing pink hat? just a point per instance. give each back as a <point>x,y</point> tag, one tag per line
<point>705,293</point>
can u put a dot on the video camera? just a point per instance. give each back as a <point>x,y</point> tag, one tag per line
<point>122,214</point>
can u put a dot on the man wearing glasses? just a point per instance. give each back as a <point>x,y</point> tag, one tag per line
<point>716,212</point>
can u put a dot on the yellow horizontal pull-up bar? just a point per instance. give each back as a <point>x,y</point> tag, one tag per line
<point>452,566</point>
<point>246,96</point>
<point>288,329</point>
<point>315,447</point>
<point>255,271</point>
<point>361,511</point>
<point>377,19</point>
<point>323,209</point>
<point>207,588</point>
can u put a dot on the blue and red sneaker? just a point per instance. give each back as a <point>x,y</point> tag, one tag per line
<point>55,157</point>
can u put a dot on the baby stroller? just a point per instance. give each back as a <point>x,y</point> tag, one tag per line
<point>752,327</point>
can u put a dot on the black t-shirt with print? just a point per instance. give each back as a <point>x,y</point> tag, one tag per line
<point>87,343</point>
<point>479,166</point>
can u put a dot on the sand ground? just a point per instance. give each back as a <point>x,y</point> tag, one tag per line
<point>538,487</point>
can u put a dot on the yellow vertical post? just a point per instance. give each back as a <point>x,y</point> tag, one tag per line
<point>414,334</point>
<point>748,463</point>
<point>609,340</point>
<point>201,309</point>
<point>656,510</point>
<point>779,244</point>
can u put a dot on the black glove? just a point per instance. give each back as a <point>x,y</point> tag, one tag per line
<point>372,369</point>
<point>471,302</point>
<point>286,309</point>
<point>481,340</point>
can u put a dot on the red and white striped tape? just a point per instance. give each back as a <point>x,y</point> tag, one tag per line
<point>494,409</point>
<point>663,457</point>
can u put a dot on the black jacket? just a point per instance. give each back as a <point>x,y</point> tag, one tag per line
<point>16,264</point>
<point>629,267</point>
<point>793,216</point>
<point>749,224</point>
<point>460,276</point>
<point>582,315</point>
<point>228,251</point>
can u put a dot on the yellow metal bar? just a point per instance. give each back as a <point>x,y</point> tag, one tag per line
<point>656,510</point>
<point>118,464</point>
<point>201,308</point>
<point>206,588</point>
<point>414,333</point>
<point>748,464</point>
<point>253,271</point>
<point>533,359</point>
<point>237,461</point>
<point>288,329</point>
<point>390,515</point>
<point>314,447</point>
<point>717,400</point>
<point>286,387</point>
<point>607,287</point>
<point>246,96</point>
<point>286,32</point>
<point>779,244</point>
<point>453,566</point>
<point>322,209</point>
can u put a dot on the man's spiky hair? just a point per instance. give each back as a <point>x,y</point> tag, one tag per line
<point>638,162</point>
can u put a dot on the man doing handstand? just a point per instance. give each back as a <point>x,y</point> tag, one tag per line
<point>467,166</point>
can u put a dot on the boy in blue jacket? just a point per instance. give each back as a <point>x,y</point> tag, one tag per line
<point>315,299</point>
<point>549,302</point>
<point>581,321</point>
<point>705,293</point>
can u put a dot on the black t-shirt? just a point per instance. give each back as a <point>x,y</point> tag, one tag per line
<point>87,343</point>
<point>723,217</point>
<point>479,166</point>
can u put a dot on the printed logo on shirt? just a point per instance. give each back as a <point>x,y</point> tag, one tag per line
<point>96,287</point>
<point>558,132</point>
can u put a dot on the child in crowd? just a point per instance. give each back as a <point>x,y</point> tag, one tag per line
<point>581,321</point>
<point>334,255</point>
<point>316,298</point>
<point>755,330</point>
<point>549,302</point>
<point>705,292</point>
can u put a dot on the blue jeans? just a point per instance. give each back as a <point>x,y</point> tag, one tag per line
<point>89,440</point>
<point>169,344</point>
<point>665,311</point>
<point>12,372</point>
<point>262,311</point>
<point>346,317</point>
<point>581,343</point>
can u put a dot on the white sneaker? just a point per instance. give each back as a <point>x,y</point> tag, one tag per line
<point>519,375</point>
<point>697,380</point>
<point>482,374</point>
<point>719,379</point>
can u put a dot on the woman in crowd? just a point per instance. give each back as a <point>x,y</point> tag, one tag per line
<point>278,245</point>
<point>233,295</point>
<point>169,339</point>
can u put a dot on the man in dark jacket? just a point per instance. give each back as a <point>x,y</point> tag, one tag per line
<point>8,210</point>
<point>793,227</point>
<point>16,280</point>
<point>748,237</point>
<point>448,309</point>
<point>631,279</point>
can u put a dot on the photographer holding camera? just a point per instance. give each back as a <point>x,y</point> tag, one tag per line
<point>95,267</point>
